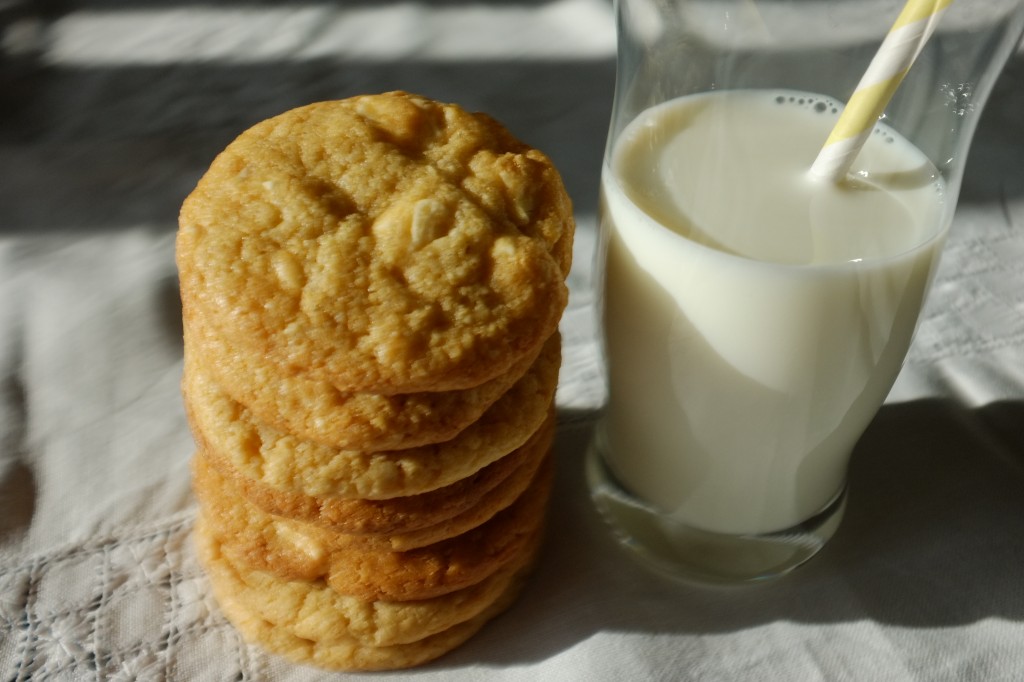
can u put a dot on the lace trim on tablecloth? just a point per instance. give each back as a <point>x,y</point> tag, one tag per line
<point>117,608</point>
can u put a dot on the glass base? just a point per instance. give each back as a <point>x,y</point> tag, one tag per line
<point>676,550</point>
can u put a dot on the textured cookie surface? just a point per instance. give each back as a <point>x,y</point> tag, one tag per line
<point>385,243</point>
<point>496,500</point>
<point>317,411</point>
<point>448,565</point>
<point>316,612</point>
<point>378,573</point>
<point>293,477</point>
<point>299,550</point>
<point>338,651</point>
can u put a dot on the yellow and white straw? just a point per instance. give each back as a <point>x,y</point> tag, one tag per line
<point>890,64</point>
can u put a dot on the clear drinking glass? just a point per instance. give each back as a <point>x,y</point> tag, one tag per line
<point>753,320</point>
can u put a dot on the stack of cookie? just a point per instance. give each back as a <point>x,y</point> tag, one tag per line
<point>371,292</point>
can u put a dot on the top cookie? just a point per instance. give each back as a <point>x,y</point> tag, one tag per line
<point>387,243</point>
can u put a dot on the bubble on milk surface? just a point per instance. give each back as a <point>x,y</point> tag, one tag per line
<point>884,134</point>
<point>818,105</point>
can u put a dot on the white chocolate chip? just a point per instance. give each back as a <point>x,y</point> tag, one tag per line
<point>428,223</point>
<point>299,541</point>
<point>288,271</point>
<point>520,192</point>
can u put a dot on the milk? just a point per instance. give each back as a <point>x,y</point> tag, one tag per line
<point>755,318</point>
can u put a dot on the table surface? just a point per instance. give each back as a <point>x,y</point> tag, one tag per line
<point>110,111</point>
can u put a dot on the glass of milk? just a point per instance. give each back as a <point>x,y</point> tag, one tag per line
<point>755,317</point>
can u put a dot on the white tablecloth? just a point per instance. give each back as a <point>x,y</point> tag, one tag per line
<point>110,111</point>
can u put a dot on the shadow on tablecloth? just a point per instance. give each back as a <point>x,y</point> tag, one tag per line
<point>123,145</point>
<point>931,539</point>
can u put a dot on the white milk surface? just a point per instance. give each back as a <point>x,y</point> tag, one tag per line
<point>755,318</point>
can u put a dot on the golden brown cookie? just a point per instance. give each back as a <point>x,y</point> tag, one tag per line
<point>298,550</point>
<point>507,492</point>
<point>314,611</point>
<point>291,477</point>
<point>451,564</point>
<point>340,652</point>
<point>376,571</point>
<point>359,517</point>
<point>384,243</point>
<point>317,411</point>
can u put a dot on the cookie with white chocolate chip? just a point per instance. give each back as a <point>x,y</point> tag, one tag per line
<point>384,243</point>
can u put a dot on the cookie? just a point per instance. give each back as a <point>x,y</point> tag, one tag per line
<point>495,501</point>
<point>300,550</point>
<point>383,243</point>
<point>358,517</point>
<point>291,477</point>
<point>317,411</point>
<point>350,654</point>
<point>451,564</point>
<point>313,611</point>
<point>375,573</point>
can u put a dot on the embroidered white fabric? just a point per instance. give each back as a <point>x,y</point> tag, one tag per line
<point>109,113</point>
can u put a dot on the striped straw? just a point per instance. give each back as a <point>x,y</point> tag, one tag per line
<point>898,51</point>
